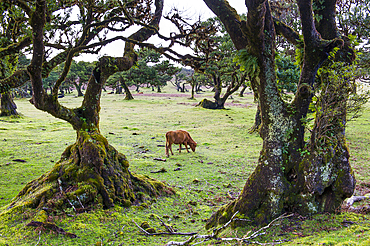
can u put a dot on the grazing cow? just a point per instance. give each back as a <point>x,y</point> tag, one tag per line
<point>179,137</point>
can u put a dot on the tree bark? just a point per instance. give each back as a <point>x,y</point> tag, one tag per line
<point>290,175</point>
<point>8,107</point>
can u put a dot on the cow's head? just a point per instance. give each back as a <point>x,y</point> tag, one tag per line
<point>193,145</point>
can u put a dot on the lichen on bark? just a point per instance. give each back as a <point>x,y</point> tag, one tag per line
<point>292,175</point>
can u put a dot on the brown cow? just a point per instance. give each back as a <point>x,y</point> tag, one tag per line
<point>179,137</point>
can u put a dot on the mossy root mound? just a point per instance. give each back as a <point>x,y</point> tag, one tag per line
<point>90,172</point>
<point>205,103</point>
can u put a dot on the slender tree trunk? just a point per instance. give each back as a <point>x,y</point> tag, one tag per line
<point>241,93</point>
<point>193,85</point>
<point>127,90</point>
<point>8,107</point>
<point>78,84</point>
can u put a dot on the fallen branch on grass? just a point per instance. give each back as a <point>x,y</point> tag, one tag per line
<point>169,231</point>
<point>162,170</point>
<point>354,199</point>
<point>359,209</point>
<point>245,239</point>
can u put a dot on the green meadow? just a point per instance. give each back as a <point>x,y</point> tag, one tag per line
<point>204,180</point>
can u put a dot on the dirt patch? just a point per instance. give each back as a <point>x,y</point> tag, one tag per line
<point>169,95</point>
<point>166,95</point>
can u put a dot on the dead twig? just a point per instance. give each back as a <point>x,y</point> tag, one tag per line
<point>245,239</point>
<point>39,239</point>
<point>61,191</point>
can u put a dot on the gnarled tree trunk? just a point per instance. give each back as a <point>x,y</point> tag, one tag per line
<point>90,172</point>
<point>291,175</point>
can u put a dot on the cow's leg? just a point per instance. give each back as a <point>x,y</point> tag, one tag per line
<point>186,146</point>
<point>170,147</point>
<point>179,148</point>
<point>167,154</point>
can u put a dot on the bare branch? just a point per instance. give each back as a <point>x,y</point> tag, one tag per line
<point>245,239</point>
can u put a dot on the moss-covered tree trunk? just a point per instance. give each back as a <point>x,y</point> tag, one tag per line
<point>90,172</point>
<point>8,107</point>
<point>291,175</point>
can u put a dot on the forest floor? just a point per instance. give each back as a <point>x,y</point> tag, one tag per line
<point>204,180</point>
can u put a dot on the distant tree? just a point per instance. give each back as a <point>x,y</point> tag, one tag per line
<point>10,35</point>
<point>126,89</point>
<point>142,73</point>
<point>79,75</point>
<point>180,77</point>
<point>196,80</point>
<point>165,72</point>
<point>219,51</point>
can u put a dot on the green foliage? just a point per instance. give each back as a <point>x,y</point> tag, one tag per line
<point>247,63</point>
<point>149,70</point>
<point>79,71</point>
<point>287,73</point>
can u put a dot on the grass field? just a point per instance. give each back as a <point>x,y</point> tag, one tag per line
<point>204,180</point>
